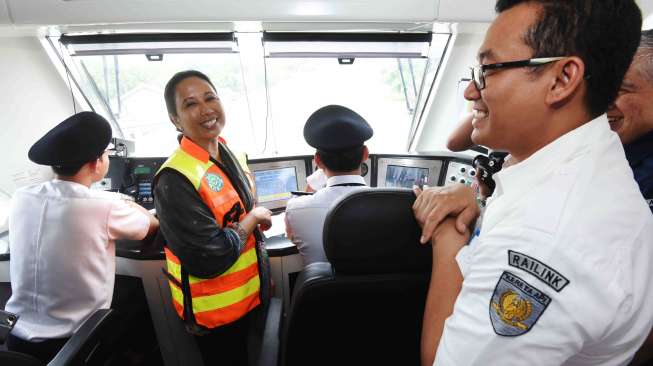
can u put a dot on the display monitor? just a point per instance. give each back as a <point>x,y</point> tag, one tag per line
<point>405,176</point>
<point>275,184</point>
<point>407,171</point>
<point>276,178</point>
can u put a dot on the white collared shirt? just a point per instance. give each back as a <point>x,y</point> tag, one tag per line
<point>561,272</point>
<point>305,216</point>
<point>61,240</point>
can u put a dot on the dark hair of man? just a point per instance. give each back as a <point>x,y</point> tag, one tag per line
<point>603,33</point>
<point>72,169</point>
<point>342,161</point>
<point>644,56</point>
<point>171,86</point>
<point>67,170</point>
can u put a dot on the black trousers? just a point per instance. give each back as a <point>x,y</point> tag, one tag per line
<point>233,344</point>
<point>44,351</point>
<point>131,331</point>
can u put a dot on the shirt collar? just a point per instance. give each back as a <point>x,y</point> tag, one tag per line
<point>344,179</point>
<point>70,183</point>
<point>551,157</point>
<point>639,149</point>
<point>196,150</point>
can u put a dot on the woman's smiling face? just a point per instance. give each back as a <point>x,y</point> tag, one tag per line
<point>200,116</point>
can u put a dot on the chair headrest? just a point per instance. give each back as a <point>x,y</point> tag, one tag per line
<point>374,231</point>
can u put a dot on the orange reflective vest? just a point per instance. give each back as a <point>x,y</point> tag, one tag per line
<point>231,295</point>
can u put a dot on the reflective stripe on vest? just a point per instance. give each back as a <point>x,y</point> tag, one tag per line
<point>231,295</point>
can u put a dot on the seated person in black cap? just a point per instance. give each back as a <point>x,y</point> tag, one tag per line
<point>338,134</point>
<point>62,234</point>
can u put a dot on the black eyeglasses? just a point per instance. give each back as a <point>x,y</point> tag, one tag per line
<point>478,72</point>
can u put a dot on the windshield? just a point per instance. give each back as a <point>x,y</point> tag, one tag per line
<point>383,91</point>
<point>267,97</point>
<point>132,88</point>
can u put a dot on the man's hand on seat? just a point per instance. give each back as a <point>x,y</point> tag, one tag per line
<point>433,205</point>
<point>447,241</point>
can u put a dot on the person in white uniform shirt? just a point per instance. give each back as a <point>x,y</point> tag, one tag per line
<point>62,234</point>
<point>560,273</point>
<point>338,134</point>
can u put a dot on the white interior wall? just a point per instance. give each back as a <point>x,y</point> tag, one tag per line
<point>445,111</point>
<point>34,98</point>
<point>647,13</point>
<point>4,13</point>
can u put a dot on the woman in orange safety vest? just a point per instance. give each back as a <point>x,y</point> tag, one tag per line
<point>216,263</point>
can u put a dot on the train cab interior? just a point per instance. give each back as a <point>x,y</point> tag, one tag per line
<point>403,66</point>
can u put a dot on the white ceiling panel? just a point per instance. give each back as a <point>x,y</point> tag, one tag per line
<point>60,12</point>
<point>346,27</point>
<point>466,11</point>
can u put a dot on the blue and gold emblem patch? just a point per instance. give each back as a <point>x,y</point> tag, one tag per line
<point>214,181</point>
<point>516,306</point>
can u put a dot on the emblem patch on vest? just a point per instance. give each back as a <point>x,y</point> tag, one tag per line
<point>214,181</point>
<point>516,306</point>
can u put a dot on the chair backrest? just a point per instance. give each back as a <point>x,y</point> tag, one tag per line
<point>18,359</point>
<point>366,305</point>
<point>81,349</point>
<point>87,345</point>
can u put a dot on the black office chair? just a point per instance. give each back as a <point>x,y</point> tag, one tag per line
<point>80,349</point>
<point>365,307</point>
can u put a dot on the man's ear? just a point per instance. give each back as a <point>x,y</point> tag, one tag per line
<point>569,76</point>
<point>318,161</point>
<point>366,153</point>
<point>94,165</point>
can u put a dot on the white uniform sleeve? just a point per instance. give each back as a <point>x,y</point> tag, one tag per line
<point>533,311</point>
<point>126,222</point>
<point>462,258</point>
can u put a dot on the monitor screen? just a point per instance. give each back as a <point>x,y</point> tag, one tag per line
<point>404,171</point>
<point>276,178</point>
<point>405,176</point>
<point>275,184</point>
<point>142,170</point>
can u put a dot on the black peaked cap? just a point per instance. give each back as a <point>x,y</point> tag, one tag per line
<point>78,139</point>
<point>336,128</point>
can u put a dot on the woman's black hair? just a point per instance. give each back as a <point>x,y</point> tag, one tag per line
<point>171,86</point>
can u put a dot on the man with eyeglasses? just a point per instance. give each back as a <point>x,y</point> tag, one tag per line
<point>630,116</point>
<point>560,273</point>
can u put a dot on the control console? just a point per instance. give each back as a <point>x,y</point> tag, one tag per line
<point>459,172</point>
